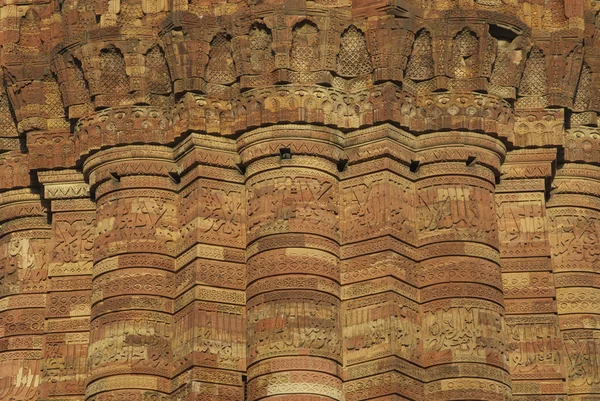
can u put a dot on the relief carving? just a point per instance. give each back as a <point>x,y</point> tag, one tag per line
<point>374,204</point>
<point>73,244</point>
<point>23,265</point>
<point>465,333</point>
<point>307,203</point>
<point>583,368</point>
<point>65,367</point>
<point>456,208</point>
<point>574,242</point>
<point>20,379</point>
<point>217,200</point>
<point>521,225</point>
<point>381,329</point>
<point>140,219</point>
<point>134,343</point>
<point>290,327</point>
<point>534,348</point>
<point>212,213</point>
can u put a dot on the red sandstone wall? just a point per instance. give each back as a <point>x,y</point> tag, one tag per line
<point>299,200</point>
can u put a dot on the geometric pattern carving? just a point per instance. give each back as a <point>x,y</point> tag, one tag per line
<point>465,51</point>
<point>158,73</point>
<point>420,65</point>
<point>261,53</point>
<point>112,70</point>
<point>353,58</point>
<point>221,68</point>
<point>291,200</point>
<point>305,54</point>
<point>534,80</point>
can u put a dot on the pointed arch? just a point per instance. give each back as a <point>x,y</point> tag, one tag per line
<point>113,77</point>
<point>221,66</point>
<point>305,53</point>
<point>29,32</point>
<point>465,54</point>
<point>353,58</point>
<point>157,72</point>
<point>420,64</point>
<point>535,79</point>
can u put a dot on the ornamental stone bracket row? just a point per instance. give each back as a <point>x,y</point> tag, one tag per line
<point>299,200</point>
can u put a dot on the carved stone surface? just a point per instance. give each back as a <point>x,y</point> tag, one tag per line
<point>226,200</point>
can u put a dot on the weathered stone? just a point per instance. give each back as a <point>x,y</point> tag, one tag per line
<point>224,200</point>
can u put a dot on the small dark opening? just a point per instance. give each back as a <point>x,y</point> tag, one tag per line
<point>502,33</point>
<point>414,165</point>
<point>175,177</point>
<point>241,168</point>
<point>342,164</point>
<point>285,153</point>
<point>471,160</point>
<point>115,176</point>
<point>245,384</point>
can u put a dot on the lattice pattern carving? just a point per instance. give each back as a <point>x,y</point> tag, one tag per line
<point>465,54</point>
<point>261,53</point>
<point>29,32</point>
<point>159,80</point>
<point>78,15</point>
<point>306,52</point>
<point>554,14</point>
<point>113,74</point>
<point>131,13</point>
<point>7,120</point>
<point>353,58</point>
<point>583,95</point>
<point>77,83</point>
<point>535,79</point>
<point>506,65</point>
<point>420,65</point>
<point>221,67</point>
<point>53,108</point>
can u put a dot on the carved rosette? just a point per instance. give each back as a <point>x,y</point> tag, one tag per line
<point>293,289</point>
<point>132,276</point>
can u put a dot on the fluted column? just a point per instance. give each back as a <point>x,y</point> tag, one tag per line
<point>574,217</point>
<point>209,320</point>
<point>132,282</point>
<point>67,317</point>
<point>462,305</point>
<point>293,290</point>
<point>381,324</point>
<point>535,350</point>
<point>24,256</point>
